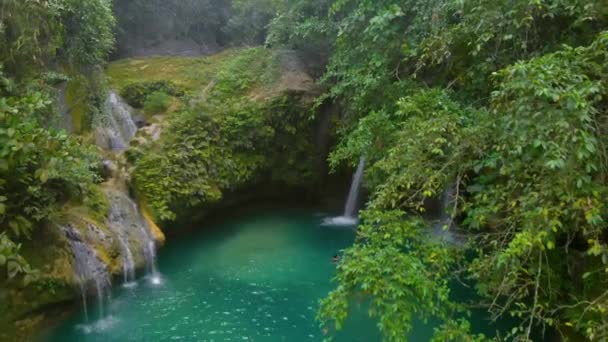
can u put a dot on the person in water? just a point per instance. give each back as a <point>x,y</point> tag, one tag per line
<point>335,259</point>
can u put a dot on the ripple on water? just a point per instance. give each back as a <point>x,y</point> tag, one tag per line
<point>253,280</point>
<point>99,326</point>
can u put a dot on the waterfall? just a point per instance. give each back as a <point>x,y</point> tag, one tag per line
<point>150,255</point>
<point>128,223</point>
<point>120,222</point>
<point>443,226</point>
<point>91,272</point>
<point>128,264</point>
<point>116,134</point>
<point>353,195</point>
<point>350,209</point>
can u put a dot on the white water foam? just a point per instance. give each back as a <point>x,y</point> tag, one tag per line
<point>99,326</point>
<point>340,221</point>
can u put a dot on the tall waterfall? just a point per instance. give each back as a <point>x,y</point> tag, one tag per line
<point>350,209</point>
<point>353,195</point>
<point>120,128</point>
<point>92,273</point>
<point>127,222</point>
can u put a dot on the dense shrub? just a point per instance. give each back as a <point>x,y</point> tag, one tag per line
<point>228,140</point>
<point>136,94</point>
<point>35,32</point>
<point>157,102</point>
<point>502,104</point>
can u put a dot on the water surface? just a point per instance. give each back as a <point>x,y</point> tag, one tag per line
<point>255,277</point>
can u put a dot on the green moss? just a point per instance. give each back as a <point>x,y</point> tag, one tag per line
<point>76,98</point>
<point>97,203</point>
<point>50,255</point>
<point>85,98</point>
<point>194,74</point>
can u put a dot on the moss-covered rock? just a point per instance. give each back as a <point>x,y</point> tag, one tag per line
<point>27,307</point>
<point>22,304</point>
<point>157,233</point>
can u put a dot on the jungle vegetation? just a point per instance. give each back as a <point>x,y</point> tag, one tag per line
<point>500,103</point>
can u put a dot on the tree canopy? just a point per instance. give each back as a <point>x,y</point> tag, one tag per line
<point>497,106</point>
<point>500,103</point>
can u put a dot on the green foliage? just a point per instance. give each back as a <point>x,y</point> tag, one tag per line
<point>30,31</point>
<point>157,102</point>
<point>304,26</point>
<point>85,97</point>
<point>11,260</point>
<point>542,184</point>
<point>88,36</point>
<point>401,269</point>
<point>249,19</point>
<point>34,32</point>
<point>528,172</point>
<point>96,203</point>
<point>237,136</point>
<point>39,169</point>
<point>138,93</point>
<point>485,98</point>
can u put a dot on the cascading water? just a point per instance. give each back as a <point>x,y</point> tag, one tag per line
<point>127,222</point>
<point>443,228</point>
<point>350,209</point>
<point>150,255</point>
<point>116,134</point>
<point>128,266</point>
<point>91,272</point>
<point>353,195</point>
<point>124,218</point>
<point>118,222</point>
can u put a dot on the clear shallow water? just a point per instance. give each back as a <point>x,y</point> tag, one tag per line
<point>257,277</point>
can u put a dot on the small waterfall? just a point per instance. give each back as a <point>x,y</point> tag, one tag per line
<point>353,195</point>
<point>150,255</point>
<point>350,209</point>
<point>118,222</point>
<point>128,223</point>
<point>128,264</point>
<point>91,272</point>
<point>443,228</point>
<point>116,134</point>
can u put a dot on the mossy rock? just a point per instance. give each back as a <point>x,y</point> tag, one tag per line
<point>50,254</point>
